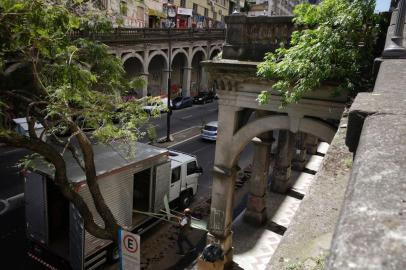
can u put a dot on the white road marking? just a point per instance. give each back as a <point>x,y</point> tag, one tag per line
<point>186,117</point>
<point>188,139</point>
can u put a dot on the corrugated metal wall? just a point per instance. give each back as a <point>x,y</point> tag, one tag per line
<point>117,190</point>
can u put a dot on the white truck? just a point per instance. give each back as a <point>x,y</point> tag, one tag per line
<point>130,184</point>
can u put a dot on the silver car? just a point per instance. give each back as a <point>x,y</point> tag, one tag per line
<point>209,132</point>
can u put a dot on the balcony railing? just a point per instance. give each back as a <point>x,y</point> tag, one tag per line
<point>141,35</point>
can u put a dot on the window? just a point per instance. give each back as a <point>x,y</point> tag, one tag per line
<point>206,12</point>
<point>194,8</point>
<point>191,167</point>
<point>183,3</point>
<point>175,175</point>
<point>214,15</point>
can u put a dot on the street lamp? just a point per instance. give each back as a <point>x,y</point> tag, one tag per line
<point>169,13</point>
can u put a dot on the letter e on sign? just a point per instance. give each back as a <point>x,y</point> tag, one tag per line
<point>129,248</point>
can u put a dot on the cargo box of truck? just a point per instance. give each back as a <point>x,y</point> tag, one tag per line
<point>130,182</point>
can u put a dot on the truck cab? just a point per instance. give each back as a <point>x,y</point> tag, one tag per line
<point>185,173</point>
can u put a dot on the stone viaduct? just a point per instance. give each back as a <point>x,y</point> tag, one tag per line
<point>370,228</point>
<point>145,53</point>
<point>298,127</point>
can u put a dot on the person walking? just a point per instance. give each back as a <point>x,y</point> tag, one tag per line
<point>184,227</point>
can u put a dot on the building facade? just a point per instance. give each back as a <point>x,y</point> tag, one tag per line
<point>274,7</point>
<point>170,13</point>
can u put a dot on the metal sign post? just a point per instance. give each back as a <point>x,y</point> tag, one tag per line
<point>129,248</point>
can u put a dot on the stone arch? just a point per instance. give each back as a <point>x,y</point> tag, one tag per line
<point>180,50</point>
<point>244,135</point>
<point>135,55</point>
<point>195,50</point>
<point>155,53</point>
<point>157,73</point>
<point>214,49</point>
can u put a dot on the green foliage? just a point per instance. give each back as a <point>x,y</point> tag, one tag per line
<point>335,42</point>
<point>77,78</point>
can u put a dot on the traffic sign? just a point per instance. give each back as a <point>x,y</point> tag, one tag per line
<point>129,248</point>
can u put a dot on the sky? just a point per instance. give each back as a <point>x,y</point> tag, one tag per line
<point>382,5</point>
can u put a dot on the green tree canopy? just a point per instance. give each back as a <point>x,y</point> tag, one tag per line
<point>67,85</point>
<point>334,42</point>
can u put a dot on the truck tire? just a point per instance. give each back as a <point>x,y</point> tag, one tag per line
<point>112,254</point>
<point>185,199</point>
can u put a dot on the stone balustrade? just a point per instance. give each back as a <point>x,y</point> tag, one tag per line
<point>148,35</point>
<point>249,38</point>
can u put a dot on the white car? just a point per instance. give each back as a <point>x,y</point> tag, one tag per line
<point>209,132</point>
<point>157,104</point>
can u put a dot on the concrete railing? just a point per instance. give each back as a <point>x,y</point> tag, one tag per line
<point>371,231</point>
<point>249,38</point>
<point>142,35</point>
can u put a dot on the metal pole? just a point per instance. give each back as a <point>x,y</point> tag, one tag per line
<point>396,49</point>
<point>169,113</point>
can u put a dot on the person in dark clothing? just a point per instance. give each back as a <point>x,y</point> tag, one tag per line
<point>184,227</point>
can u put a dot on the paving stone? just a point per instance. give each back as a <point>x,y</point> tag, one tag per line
<point>302,182</point>
<point>314,163</point>
<point>322,148</point>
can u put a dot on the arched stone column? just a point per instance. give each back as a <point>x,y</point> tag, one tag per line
<point>187,78</point>
<point>281,172</point>
<point>231,140</point>
<point>256,206</point>
<point>311,144</point>
<point>299,158</point>
<point>221,211</point>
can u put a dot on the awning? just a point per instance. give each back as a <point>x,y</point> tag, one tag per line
<point>156,13</point>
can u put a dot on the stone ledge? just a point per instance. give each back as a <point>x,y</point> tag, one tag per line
<point>311,230</point>
<point>372,226</point>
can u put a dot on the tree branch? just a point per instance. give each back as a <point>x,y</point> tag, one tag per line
<point>88,158</point>
<point>60,179</point>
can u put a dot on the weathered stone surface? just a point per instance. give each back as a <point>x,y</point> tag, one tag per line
<point>371,231</point>
<point>310,232</point>
<point>249,38</point>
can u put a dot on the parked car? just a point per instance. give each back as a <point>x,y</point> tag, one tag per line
<point>209,132</point>
<point>181,102</point>
<point>203,97</point>
<point>157,105</point>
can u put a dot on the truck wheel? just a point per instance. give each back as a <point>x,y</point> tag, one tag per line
<point>185,199</point>
<point>112,254</point>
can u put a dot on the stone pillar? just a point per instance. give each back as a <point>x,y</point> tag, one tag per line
<point>222,198</point>
<point>299,160</point>
<point>311,144</point>
<point>187,77</point>
<point>145,86</point>
<point>256,206</point>
<point>221,210</point>
<point>282,169</point>
<point>164,84</point>
<point>204,81</point>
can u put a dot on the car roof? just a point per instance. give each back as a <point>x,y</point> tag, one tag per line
<point>213,124</point>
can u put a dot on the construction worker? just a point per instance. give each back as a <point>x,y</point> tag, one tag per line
<point>184,227</point>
